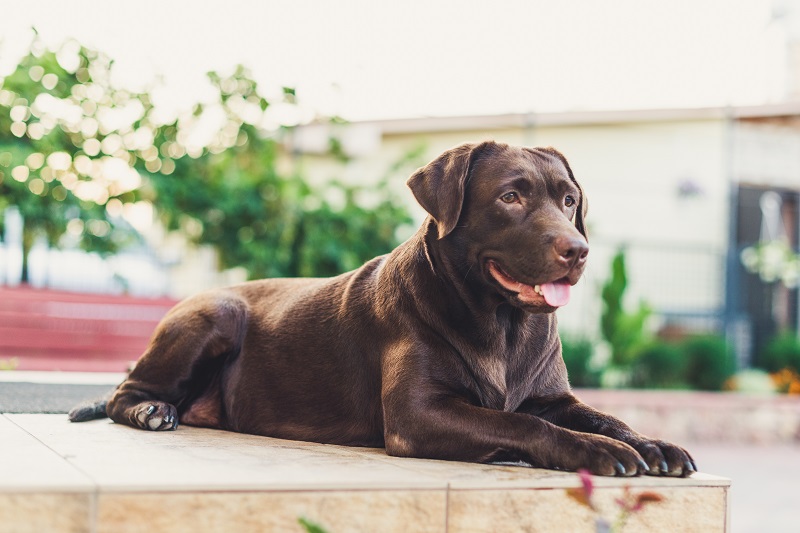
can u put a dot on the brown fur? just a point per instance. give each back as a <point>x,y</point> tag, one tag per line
<point>421,351</point>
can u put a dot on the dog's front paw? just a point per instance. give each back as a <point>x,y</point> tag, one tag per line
<point>665,459</point>
<point>603,456</point>
<point>155,416</point>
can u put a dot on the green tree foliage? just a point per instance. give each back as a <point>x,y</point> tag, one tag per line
<point>52,153</point>
<point>623,330</point>
<point>74,150</point>
<point>233,197</point>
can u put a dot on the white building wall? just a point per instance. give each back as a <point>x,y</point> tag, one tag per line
<point>767,154</point>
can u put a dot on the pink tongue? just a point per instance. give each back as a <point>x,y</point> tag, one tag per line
<point>555,294</point>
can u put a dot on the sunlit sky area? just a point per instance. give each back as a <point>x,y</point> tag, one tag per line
<point>365,59</point>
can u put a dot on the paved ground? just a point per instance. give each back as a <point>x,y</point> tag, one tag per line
<point>766,480</point>
<point>45,397</point>
<point>765,495</point>
<point>52,392</point>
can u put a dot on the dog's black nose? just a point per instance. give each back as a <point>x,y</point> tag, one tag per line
<point>571,250</point>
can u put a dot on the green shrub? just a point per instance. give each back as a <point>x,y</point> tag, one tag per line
<point>577,354</point>
<point>624,330</point>
<point>660,365</point>
<point>709,362</point>
<point>782,351</point>
<point>703,362</point>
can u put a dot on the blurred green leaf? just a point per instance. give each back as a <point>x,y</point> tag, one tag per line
<point>310,526</point>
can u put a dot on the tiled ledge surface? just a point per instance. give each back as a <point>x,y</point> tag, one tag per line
<point>101,477</point>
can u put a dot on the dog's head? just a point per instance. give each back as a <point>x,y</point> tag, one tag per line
<point>515,216</point>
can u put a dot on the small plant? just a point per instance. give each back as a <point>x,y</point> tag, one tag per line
<point>623,330</point>
<point>629,504</point>
<point>311,527</point>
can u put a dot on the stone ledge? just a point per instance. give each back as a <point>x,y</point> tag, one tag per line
<point>103,477</point>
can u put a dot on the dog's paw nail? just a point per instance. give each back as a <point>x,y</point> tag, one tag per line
<point>620,468</point>
<point>689,466</point>
<point>644,466</point>
<point>151,409</point>
<point>664,467</point>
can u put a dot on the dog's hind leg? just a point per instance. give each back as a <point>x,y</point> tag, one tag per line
<point>185,355</point>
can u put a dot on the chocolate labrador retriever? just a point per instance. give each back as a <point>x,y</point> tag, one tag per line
<point>445,348</point>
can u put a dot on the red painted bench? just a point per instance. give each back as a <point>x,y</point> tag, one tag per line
<point>55,330</point>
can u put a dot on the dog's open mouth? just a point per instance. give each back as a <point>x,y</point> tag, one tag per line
<point>553,293</point>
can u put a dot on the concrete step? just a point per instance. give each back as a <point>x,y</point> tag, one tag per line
<point>102,477</point>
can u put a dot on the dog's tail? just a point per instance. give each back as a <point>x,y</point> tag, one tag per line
<point>90,410</point>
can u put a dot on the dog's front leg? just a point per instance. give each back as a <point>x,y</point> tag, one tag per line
<point>663,458</point>
<point>450,428</point>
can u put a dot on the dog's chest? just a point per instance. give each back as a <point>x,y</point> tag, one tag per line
<point>506,370</point>
<point>498,388</point>
<point>493,373</point>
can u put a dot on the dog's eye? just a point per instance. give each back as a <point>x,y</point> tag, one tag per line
<point>510,197</point>
<point>569,201</point>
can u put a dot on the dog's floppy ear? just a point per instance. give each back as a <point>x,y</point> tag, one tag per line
<point>583,205</point>
<point>439,186</point>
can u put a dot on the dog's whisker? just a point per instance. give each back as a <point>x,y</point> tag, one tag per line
<point>468,271</point>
